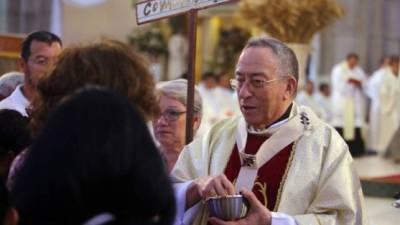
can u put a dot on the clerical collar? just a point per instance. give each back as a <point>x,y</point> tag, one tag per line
<point>274,126</point>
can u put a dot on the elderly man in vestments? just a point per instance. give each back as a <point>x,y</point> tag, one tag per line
<point>348,116</point>
<point>291,166</point>
<point>383,89</point>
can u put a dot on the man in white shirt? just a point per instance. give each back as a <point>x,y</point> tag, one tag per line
<point>8,82</point>
<point>348,80</point>
<point>39,50</point>
<point>293,168</point>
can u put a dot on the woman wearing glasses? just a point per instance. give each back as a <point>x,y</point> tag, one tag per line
<point>169,128</point>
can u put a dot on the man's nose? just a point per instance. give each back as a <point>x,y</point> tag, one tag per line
<point>244,91</point>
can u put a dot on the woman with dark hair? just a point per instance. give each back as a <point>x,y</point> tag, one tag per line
<point>107,63</point>
<point>94,162</point>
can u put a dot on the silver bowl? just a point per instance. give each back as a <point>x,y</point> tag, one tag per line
<point>231,207</point>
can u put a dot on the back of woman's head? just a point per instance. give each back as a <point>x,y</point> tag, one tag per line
<point>94,155</point>
<point>107,63</point>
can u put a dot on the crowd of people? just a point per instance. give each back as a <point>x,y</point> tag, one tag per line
<point>88,138</point>
<point>364,109</point>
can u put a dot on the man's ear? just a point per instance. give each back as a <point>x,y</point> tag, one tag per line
<point>11,217</point>
<point>291,88</point>
<point>196,122</point>
<point>23,65</point>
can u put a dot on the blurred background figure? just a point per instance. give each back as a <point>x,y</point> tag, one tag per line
<point>178,50</point>
<point>219,100</point>
<point>14,137</point>
<point>306,97</point>
<point>224,82</point>
<point>170,126</point>
<point>384,92</point>
<point>211,108</point>
<point>8,215</point>
<point>38,53</point>
<point>323,98</point>
<point>393,150</point>
<point>348,96</point>
<point>8,82</point>
<point>94,162</point>
<point>383,65</point>
<point>209,81</point>
<point>228,100</point>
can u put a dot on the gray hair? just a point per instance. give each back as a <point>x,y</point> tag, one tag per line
<point>177,89</point>
<point>288,61</point>
<point>9,81</point>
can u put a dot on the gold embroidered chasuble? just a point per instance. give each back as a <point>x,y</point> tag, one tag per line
<point>320,185</point>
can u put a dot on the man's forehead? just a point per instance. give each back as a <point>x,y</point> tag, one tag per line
<point>256,61</point>
<point>40,47</point>
<point>258,55</point>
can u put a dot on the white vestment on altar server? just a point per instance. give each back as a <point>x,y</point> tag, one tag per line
<point>384,91</point>
<point>326,104</point>
<point>349,110</point>
<point>218,104</point>
<point>320,186</point>
<point>303,98</point>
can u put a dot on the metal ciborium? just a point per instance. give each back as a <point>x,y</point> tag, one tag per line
<point>230,207</point>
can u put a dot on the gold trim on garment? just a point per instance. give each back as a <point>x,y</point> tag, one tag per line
<point>283,180</point>
<point>263,190</point>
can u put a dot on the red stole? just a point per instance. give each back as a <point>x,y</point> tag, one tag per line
<point>269,176</point>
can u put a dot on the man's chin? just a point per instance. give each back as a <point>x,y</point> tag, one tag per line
<point>251,121</point>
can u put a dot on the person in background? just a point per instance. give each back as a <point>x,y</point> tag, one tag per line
<point>227,97</point>
<point>211,108</point>
<point>306,97</point>
<point>323,98</point>
<point>39,51</point>
<point>392,74</point>
<point>348,81</point>
<point>382,90</point>
<point>94,162</point>
<point>14,137</point>
<point>8,82</point>
<point>169,128</point>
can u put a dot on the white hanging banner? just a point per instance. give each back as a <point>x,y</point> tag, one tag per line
<point>151,10</point>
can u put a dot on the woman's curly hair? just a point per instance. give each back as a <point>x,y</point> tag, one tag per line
<point>108,63</point>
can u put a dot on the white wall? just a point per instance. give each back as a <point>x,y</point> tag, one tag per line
<point>114,18</point>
